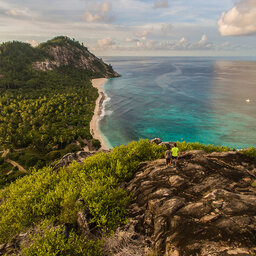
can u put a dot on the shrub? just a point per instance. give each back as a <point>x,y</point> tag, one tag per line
<point>14,156</point>
<point>54,242</point>
<point>40,164</point>
<point>47,195</point>
<point>15,169</point>
<point>96,143</point>
<point>184,146</point>
<point>72,148</point>
<point>1,160</point>
<point>31,161</point>
<point>53,155</point>
<point>249,152</point>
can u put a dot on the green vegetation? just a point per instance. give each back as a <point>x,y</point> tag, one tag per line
<point>46,200</point>
<point>46,195</point>
<point>8,174</point>
<point>249,152</point>
<point>96,143</point>
<point>43,112</point>
<point>53,242</point>
<point>185,146</point>
<point>62,41</point>
<point>54,114</point>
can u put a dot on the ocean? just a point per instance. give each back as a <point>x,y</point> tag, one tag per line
<point>192,99</point>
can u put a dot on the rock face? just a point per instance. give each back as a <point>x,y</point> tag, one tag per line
<point>204,206</point>
<point>77,56</point>
<point>70,157</point>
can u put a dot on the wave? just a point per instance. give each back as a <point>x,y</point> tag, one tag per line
<point>103,111</point>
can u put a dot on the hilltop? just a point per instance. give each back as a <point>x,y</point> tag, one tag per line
<point>63,51</point>
<point>204,206</point>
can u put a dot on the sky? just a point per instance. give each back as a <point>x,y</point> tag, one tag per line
<point>136,27</point>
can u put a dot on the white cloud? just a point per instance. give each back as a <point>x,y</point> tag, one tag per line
<point>139,44</point>
<point>143,33</point>
<point>106,42</point>
<point>99,13</point>
<point>33,43</point>
<point>203,44</point>
<point>184,44</point>
<point>240,20</point>
<point>161,4</point>
<point>18,12</point>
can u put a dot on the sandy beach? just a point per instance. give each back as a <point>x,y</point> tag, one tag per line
<point>99,84</point>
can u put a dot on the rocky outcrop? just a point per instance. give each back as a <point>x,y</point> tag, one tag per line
<point>67,159</point>
<point>78,157</point>
<point>204,206</point>
<point>80,58</point>
<point>13,247</point>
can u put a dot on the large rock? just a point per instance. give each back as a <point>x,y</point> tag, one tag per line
<point>82,223</point>
<point>156,141</point>
<point>204,206</point>
<point>67,159</point>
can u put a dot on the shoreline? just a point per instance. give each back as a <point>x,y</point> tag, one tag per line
<point>98,83</point>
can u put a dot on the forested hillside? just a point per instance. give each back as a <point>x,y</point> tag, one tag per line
<point>46,100</point>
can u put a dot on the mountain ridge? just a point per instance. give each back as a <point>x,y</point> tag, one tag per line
<point>66,52</point>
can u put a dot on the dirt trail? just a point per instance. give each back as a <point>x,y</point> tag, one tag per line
<point>21,169</point>
<point>5,152</point>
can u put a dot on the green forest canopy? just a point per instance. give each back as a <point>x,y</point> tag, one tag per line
<point>42,111</point>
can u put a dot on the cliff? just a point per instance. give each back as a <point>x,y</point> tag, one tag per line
<point>204,206</point>
<point>63,51</point>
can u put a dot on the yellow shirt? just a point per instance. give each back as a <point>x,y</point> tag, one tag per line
<point>175,151</point>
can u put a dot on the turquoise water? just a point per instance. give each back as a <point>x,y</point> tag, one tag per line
<point>208,100</point>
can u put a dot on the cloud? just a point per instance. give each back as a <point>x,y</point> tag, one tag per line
<point>100,13</point>
<point>14,12</point>
<point>161,4</point>
<point>106,42</point>
<point>184,44</point>
<point>203,44</point>
<point>240,20</point>
<point>143,33</point>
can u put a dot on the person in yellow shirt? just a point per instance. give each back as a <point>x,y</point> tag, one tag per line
<point>175,151</point>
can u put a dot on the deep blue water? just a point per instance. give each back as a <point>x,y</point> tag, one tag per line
<point>208,100</point>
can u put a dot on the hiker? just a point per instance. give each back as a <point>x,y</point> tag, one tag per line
<point>168,155</point>
<point>175,153</point>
